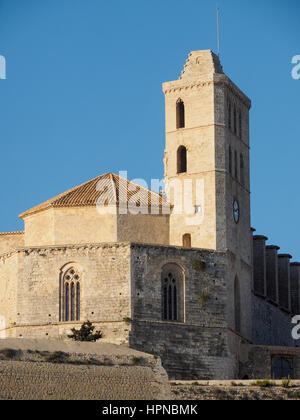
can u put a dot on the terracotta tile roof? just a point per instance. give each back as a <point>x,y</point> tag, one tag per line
<point>105,189</point>
<point>18,232</point>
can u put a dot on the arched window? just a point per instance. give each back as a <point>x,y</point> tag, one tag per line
<point>172,291</point>
<point>281,368</point>
<point>242,169</point>
<point>181,160</point>
<point>70,299</point>
<point>78,301</point>
<point>67,302</point>
<point>187,240</point>
<point>237,306</point>
<point>180,114</point>
<point>230,160</point>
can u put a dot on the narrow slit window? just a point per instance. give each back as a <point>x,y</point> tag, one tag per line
<point>180,114</point>
<point>234,121</point>
<point>181,160</point>
<point>242,169</point>
<point>230,160</point>
<point>237,305</point>
<point>229,116</point>
<point>187,240</point>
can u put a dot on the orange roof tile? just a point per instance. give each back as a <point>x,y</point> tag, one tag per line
<point>104,189</point>
<point>18,232</point>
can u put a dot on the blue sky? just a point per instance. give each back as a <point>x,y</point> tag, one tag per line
<point>83,95</point>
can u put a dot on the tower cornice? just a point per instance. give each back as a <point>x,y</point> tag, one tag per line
<point>179,86</point>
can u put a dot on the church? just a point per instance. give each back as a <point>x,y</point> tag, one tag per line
<point>180,274</point>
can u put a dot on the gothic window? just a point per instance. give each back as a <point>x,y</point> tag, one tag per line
<point>181,160</point>
<point>70,308</point>
<point>237,305</point>
<point>180,114</point>
<point>78,301</point>
<point>187,240</point>
<point>172,290</point>
<point>67,301</point>
<point>240,124</point>
<point>230,160</point>
<point>242,169</point>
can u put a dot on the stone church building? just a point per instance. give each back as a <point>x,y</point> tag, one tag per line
<point>202,291</point>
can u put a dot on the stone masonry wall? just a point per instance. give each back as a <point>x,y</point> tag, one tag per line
<point>9,271</point>
<point>197,347</point>
<point>31,295</point>
<point>10,241</point>
<point>256,361</point>
<point>187,351</point>
<point>270,325</point>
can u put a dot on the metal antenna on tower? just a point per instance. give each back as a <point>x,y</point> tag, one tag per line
<point>218,31</point>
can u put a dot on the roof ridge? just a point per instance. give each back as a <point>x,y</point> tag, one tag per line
<point>87,194</point>
<point>138,185</point>
<point>115,187</point>
<point>46,204</point>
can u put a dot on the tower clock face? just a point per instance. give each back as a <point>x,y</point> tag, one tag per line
<point>236,211</point>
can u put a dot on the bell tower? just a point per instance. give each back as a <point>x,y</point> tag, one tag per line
<point>207,158</point>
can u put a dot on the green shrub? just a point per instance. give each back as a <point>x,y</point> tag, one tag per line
<point>203,298</point>
<point>9,353</point>
<point>295,395</point>
<point>127,320</point>
<point>265,383</point>
<point>57,357</point>
<point>286,382</point>
<point>107,362</point>
<point>135,360</point>
<point>85,333</point>
<point>199,265</point>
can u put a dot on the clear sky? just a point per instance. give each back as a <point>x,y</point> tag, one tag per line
<point>83,95</point>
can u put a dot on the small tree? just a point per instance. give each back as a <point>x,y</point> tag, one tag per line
<point>85,333</point>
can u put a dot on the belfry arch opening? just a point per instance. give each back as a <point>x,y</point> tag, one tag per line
<point>180,114</point>
<point>181,160</point>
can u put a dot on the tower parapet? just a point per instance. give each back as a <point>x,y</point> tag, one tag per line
<point>274,277</point>
<point>200,63</point>
<point>259,264</point>
<point>272,273</point>
<point>295,287</point>
<point>284,281</point>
